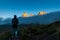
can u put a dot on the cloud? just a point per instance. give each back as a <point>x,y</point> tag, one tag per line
<point>41,13</point>
<point>24,15</point>
<point>31,14</point>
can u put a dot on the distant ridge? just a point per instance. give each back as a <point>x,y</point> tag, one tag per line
<point>45,19</point>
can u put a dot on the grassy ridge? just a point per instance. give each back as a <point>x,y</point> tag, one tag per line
<point>33,32</point>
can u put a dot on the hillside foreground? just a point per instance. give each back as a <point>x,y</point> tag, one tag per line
<point>33,32</point>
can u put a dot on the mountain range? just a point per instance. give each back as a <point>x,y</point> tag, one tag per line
<point>41,19</point>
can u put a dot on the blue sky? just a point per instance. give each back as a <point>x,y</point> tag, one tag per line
<point>10,7</point>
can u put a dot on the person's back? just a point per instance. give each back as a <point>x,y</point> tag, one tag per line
<point>14,24</point>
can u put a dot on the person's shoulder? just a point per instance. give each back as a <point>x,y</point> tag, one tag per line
<point>12,18</point>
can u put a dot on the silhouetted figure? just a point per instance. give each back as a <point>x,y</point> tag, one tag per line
<point>14,24</point>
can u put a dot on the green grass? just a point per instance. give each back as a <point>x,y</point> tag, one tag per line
<point>36,30</point>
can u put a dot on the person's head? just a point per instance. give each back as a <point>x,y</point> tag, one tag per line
<point>15,16</point>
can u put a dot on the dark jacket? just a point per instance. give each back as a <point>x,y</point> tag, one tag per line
<point>14,21</point>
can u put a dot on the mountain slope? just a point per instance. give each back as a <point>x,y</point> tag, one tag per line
<point>44,19</point>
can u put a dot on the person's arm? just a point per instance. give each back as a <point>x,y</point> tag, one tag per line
<point>17,21</point>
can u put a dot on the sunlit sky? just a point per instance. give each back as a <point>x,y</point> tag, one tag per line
<point>10,7</point>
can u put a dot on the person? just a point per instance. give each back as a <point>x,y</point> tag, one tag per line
<point>14,24</point>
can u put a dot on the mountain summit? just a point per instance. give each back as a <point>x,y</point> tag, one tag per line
<point>45,19</point>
